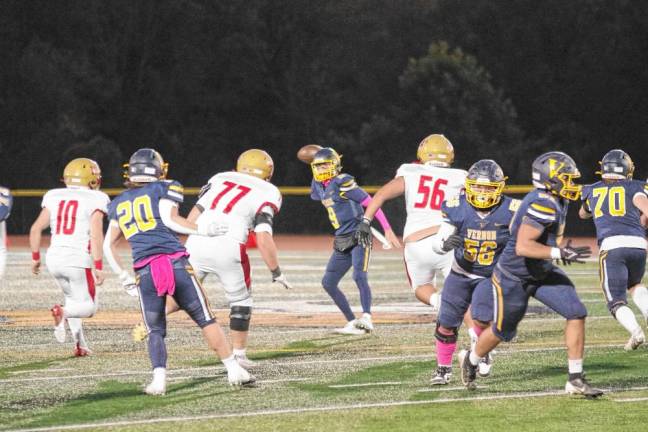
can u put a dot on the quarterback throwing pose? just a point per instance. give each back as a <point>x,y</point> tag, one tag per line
<point>344,199</point>
<point>476,226</point>
<point>147,216</point>
<point>246,200</point>
<point>525,269</point>
<point>425,186</point>
<point>74,215</point>
<point>6,202</point>
<point>616,204</point>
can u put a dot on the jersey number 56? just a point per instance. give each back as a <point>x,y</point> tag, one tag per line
<point>433,195</point>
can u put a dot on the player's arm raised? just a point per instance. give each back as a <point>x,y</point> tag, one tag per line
<point>35,233</point>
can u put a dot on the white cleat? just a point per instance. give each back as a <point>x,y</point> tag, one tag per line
<point>485,365</point>
<point>635,341</point>
<point>365,323</point>
<point>435,302</point>
<point>350,329</point>
<point>155,388</point>
<point>237,376</point>
<point>245,362</point>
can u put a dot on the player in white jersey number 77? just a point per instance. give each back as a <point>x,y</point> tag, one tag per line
<point>74,215</point>
<point>425,185</point>
<point>246,200</point>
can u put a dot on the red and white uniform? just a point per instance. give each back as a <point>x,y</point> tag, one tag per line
<point>68,257</point>
<point>426,187</point>
<point>235,198</point>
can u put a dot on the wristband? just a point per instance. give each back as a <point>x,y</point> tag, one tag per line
<point>36,256</point>
<point>98,264</point>
<point>555,253</point>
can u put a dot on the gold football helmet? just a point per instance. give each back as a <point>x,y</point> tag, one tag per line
<point>435,149</point>
<point>82,172</point>
<point>256,163</point>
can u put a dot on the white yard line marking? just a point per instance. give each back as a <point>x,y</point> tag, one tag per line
<point>637,399</point>
<point>373,384</point>
<point>443,389</point>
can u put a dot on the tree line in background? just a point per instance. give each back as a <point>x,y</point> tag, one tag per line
<point>203,80</point>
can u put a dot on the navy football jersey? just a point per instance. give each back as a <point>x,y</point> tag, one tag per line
<point>6,201</point>
<point>612,208</point>
<point>485,234</point>
<point>341,197</point>
<point>137,211</point>
<point>547,213</point>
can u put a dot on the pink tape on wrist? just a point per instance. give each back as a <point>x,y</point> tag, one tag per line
<point>380,215</point>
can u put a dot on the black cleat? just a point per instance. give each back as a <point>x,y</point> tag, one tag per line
<point>580,386</point>
<point>468,371</point>
<point>442,377</point>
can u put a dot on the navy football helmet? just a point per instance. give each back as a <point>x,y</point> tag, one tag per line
<point>484,184</point>
<point>326,156</point>
<point>616,165</point>
<point>555,171</point>
<point>144,166</point>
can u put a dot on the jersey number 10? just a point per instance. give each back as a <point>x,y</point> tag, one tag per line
<point>66,216</point>
<point>432,195</point>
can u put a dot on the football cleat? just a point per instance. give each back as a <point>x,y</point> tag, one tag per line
<point>350,329</point>
<point>59,323</point>
<point>80,351</point>
<point>256,163</point>
<point>245,362</point>
<point>555,172</point>
<point>485,365</point>
<point>365,323</point>
<point>237,376</point>
<point>582,387</point>
<point>635,341</point>
<point>468,371</point>
<point>82,172</point>
<point>155,388</point>
<point>443,376</point>
<point>139,332</point>
<point>484,184</point>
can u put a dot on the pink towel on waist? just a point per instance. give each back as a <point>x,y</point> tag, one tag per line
<point>162,271</point>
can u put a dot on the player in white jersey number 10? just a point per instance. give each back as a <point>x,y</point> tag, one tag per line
<point>74,215</point>
<point>245,200</point>
<point>426,185</point>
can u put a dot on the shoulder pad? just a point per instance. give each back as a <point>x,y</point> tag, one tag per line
<point>452,202</point>
<point>514,205</point>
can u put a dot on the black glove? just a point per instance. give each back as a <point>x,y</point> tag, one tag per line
<point>363,233</point>
<point>452,242</point>
<point>570,254</point>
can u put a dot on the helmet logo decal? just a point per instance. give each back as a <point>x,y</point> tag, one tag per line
<point>553,170</point>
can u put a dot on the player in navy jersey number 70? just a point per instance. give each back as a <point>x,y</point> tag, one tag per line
<point>147,216</point>
<point>525,270</point>
<point>616,204</point>
<point>476,227</point>
<point>344,201</point>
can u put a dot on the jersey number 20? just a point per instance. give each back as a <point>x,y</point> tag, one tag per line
<point>136,216</point>
<point>433,195</point>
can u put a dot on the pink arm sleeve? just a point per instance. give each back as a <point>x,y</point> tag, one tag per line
<point>380,215</point>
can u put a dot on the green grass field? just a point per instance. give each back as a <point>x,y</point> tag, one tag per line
<point>308,378</point>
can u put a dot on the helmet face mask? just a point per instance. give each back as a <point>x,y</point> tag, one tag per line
<point>82,172</point>
<point>145,166</point>
<point>616,165</point>
<point>485,184</point>
<point>556,172</point>
<point>256,163</point>
<point>326,164</point>
<point>436,150</point>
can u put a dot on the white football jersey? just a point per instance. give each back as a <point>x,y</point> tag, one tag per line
<point>426,187</point>
<point>70,212</point>
<point>237,198</point>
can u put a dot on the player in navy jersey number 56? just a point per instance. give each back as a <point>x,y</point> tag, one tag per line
<point>147,216</point>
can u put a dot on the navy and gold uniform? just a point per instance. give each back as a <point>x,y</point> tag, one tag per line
<point>342,198</point>
<point>516,278</point>
<point>6,202</point>
<point>485,234</point>
<point>620,235</point>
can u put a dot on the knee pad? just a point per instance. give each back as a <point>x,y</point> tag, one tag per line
<point>445,338</point>
<point>240,318</point>
<point>614,307</point>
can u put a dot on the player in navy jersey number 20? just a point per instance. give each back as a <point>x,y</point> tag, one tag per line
<point>147,216</point>
<point>616,204</point>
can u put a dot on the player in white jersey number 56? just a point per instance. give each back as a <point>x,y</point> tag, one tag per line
<point>74,215</point>
<point>425,185</point>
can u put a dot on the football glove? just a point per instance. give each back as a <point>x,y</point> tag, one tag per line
<point>212,229</point>
<point>278,277</point>
<point>363,233</point>
<point>129,284</point>
<point>570,254</point>
<point>452,242</point>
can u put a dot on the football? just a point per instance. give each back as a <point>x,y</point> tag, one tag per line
<point>306,153</point>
